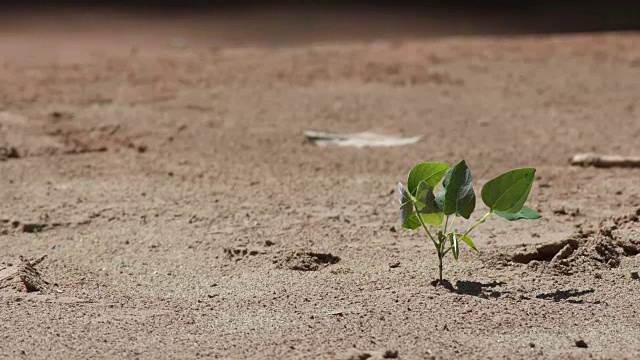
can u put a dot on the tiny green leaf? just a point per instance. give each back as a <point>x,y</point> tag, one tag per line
<point>524,214</point>
<point>459,197</point>
<point>407,212</point>
<point>455,247</point>
<point>429,172</point>
<point>468,241</point>
<point>508,192</point>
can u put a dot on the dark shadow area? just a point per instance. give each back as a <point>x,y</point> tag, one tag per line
<point>565,295</point>
<point>472,288</point>
<point>327,17</point>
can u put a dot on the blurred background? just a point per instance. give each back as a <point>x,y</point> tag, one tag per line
<point>330,18</point>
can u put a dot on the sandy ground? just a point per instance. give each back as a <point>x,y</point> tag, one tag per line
<point>164,173</point>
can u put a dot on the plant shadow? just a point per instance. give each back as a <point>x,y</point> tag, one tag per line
<point>565,295</point>
<point>474,288</point>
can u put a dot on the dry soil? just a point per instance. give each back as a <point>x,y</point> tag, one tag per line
<point>161,167</point>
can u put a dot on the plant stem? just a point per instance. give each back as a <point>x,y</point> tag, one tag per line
<point>446,224</point>
<point>441,253</point>
<point>424,226</point>
<point>440,256</point>
<point>478,223</point>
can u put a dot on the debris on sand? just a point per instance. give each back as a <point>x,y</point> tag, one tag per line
<point>355,354</point>
<point>602,249</point>
<point>306,261</point>
<point>9,153</point>
<point>23,276</point>
<point>605,161</point>
<point>581,344</point>
<point>565,211</point>
<point>33,228</point>
<point>358,140</point>
<point>240,252</point>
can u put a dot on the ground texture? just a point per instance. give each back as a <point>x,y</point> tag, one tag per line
<point>164,173</point>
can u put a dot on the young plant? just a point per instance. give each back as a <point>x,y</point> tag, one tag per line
<point>504,195</point>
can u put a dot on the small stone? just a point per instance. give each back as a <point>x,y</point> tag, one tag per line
<point>581,344</point>
<point>394,265</point>
<point>393,229</point>
<point>532,345</point>
<point>390,354</point>
<point>559,210</point>
<point>564,253</point>
<point>635,275</point>
<point>12,153</point>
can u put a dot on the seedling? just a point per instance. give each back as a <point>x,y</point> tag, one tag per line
<point>504,195</point>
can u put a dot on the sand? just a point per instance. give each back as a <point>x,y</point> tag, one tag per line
<point>164,172</point>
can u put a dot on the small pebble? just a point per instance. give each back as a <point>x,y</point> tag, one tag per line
<point>390,354</point>
<point>581,344</point>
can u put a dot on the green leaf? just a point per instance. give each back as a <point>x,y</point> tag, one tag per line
<point>426,205</point>
<point>429,172</point>
<point>459,198</point>
<point>442,194</point>
<point>408,217</point>
<point>524,214</point>
<point>447,178</point>
<point>455,247</point>
<point>434,219</point>
<point>440,200</point>
<point>404,196</point>
<point>411,222</point>
<point>425,200</point>
<point>508,192</point>
<point>468,241</point>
